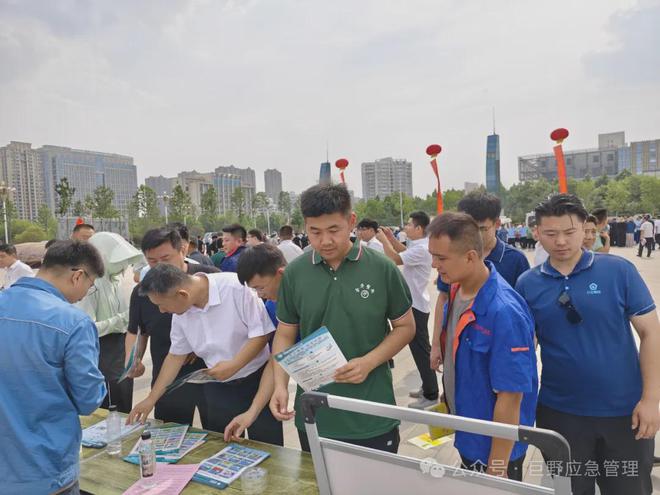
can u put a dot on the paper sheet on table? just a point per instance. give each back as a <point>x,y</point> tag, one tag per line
<point>196,377</point>
<point>95,435</point>
<point>191,441</point>
<point>168,439</point>
<point>228,464</point>
<point>169,479</point>
<point>424,441</point>
<point>132,359</point>
<point>312,362</point>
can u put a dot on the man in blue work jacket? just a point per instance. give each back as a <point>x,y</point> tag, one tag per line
<point>509,262</point>
<point>487,344</point>
<point>49,369</point>
<point>596,389</point>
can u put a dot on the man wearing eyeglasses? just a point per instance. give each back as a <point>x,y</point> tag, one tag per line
<point>49,369</point>
<point>596,390</point>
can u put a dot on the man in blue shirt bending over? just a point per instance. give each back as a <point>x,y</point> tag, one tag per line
<point>597,390</point>
<point>49,369</point>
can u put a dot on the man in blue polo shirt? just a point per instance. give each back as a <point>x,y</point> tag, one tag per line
<point>487,344</point>
<point>596,389</point>
<point>509,262</point>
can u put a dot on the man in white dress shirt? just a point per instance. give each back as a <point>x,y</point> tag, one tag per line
<point>13,267</point>
<point>366,231</point>
<point>287,246</point>
<point>416,261</point>
<point>224,323</point>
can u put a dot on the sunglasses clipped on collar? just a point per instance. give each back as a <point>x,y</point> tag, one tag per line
<point>572,314</point>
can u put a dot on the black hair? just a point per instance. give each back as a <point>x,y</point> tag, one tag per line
<point>325,200</point>
<point>560,205</point>
<point>258,234</point>
<point>420,219</point>
<point>264,259</point>
<point>162,278</point>
<point>50,243</point>
<point>286,232</point>
<point>181,229</point>
<point>592,219</point>
<point>157,237</point>
<point>74,254</point>
<point>368,223</point>
<point>481,206</point>
<point>81,226</point>
<point>600,214</point>
<point>461,229</point>
<point>9,249</point>
<point>236,230</point>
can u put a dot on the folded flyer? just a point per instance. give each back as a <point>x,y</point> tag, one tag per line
<point>191,441</point>
<point>312,362</point>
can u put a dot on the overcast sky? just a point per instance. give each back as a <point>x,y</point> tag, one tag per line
<point>182,85</point>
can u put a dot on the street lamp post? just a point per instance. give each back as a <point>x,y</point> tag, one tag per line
<point>401,205</point>
<point>165,199</point>
<point>4,194</point>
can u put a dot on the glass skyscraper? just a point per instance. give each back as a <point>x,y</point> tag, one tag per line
<point>325,174</point>
<point>493,164</point>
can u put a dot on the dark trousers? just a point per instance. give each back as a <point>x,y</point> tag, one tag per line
<point>657,241</point>
<point>648,245</point>
<point>511,241</point>
<point>227,400</point>
<point>388,442</point>
<point>421,351</point>
<point>514,469</point>
<point>603,451</point>
<point>111,364</point>
<point>179,405</point>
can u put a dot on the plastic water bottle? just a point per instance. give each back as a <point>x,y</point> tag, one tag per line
<point>113,432</point>
<point>147,459</point>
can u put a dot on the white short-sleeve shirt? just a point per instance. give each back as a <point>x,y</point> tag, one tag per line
<point>289,250</point>
<point>16,271</point>
<point>417,272</point>
<point>218,331</point>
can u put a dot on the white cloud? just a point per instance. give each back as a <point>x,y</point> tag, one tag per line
<point>183,85</point>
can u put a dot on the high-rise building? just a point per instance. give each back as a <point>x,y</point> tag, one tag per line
<point>273,183</point>
<point>325,174</point>
<point>20,168</point>
<point>225,184</point>
<point>610,158</point>
<point>644,157</point>
<point>87,170</point>
<point>493,163</point>
<point>386,176</point>
<point>248,182</point>
<point>195,184</point>
<point>468,187</point>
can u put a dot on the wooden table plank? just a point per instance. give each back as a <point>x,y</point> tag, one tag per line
<point>289,470</point>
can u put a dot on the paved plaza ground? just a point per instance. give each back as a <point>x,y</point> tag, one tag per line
<point>406,379</point>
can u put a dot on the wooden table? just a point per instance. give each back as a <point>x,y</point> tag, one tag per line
<point>289,470</point>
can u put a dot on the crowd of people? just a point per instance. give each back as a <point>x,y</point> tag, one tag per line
<point>228,304</point>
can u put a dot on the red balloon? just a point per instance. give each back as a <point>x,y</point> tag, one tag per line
<point>341,164</point>
<point>433,149</point>
<point>559,134</point>
<point>79,221</point>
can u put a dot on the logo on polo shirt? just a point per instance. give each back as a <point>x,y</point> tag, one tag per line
<point>364,290</point>
<point>593,289</point>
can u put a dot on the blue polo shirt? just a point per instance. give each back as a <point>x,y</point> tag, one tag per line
<point>230,263</point>
<point>509,262</point>
<point>494,352</point>
<point>590,368</point>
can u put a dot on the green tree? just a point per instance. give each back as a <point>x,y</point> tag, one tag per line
<point>79,209</point>
<point>102,206</point>
<point>284,204</point>
<point>180,207</point>
<point>209,209</point>
<point>238,203</point>
<point>47,221</point>
<point>143,212</point>
<point>297,221</point>
<point>450,199</point>
<point>602,181</point>
<point>65,194</point>
<point>89,205</point>
<point>617,199</point>
<point>33,233</point>
<point>650,194</point>
<point>11,219</point>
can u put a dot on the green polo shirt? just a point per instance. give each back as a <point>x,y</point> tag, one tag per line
<point>355,303</point>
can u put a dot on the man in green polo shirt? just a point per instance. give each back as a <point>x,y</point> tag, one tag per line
<point>353,292</point>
